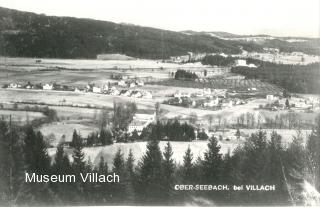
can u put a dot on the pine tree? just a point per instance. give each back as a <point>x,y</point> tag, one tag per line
<point>118,189</point>
<point>150,176</point>
<point>187,168</point>
<point>134,136</point>
<point>105,137</point>
<point>78,166</point>
<point>130,179</point>
<point>103,191</point>
<point>238,134</point>
<point>74,139</point>
<point>212,163</point>
<point>168,168</point>
<point>130,163</point>
<point>103,166</point>
<point>313,153</point>
<point>62,166</point>
<point>37,161</point>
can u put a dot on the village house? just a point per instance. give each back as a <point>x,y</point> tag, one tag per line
<point>211,103</point>
<point>77,90</point>
<point>227,104</point>
<point>147,95</point>
<point>178,94</point>
<point>29,86</point>
<point>14,85</point>
<point>140,83</point>
<point>105,87</point>
<point>132,85</point>
<point>47,86</point>
<point>122,83</point>
<point>270,97</point>
<point>96,89</point>
<point>136,94</point>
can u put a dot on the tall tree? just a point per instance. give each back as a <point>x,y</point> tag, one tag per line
<point>37,161</point>
<point>168,169</point>
<point>188,168</point>
<point>106,137</point>
<point>150,176</point>
<point>212,163</point>
<point>118,189</point>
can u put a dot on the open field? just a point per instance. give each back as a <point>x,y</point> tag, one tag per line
<point>66,128</point>
<point>81,72</point>
<point>260,87</point>
<point>20,116</point>
<point>61,100</point>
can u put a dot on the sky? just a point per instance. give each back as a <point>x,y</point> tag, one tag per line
<point>273,17</point>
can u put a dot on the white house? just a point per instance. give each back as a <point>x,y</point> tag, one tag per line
<point>140,83</point>
<point>105,87</point>
<point>114,92</point>
<point>147,95</point>
<point>77,90</point>
<point>121,83</point>
<point>241,62</point>
<point>227,104</point>
<point>96,89</point>
<point>136,94</point>
<point>271,97</point>
<point>47,86</point>
<point>132,85</point>
<point>14,85</point>
<point>211,103</point>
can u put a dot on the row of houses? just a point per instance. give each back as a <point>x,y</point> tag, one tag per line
<point>104,89</point>
<point>205,92</point>
<point>130,84</point>
<point>46,86</point>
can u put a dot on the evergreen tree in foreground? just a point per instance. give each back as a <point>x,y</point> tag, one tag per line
<point>118,189</point>
<point>212,163</point>
<point>36,161</point>
<point>150,187</point>
<point>188,167</point>
<point>168,169</point>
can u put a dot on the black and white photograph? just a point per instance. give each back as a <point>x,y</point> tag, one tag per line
<point>159,103</point>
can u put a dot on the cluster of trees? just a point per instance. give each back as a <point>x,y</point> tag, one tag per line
<point>259,161</point>
<point>123,114</point>
<point>183,101</point>
<point>290,120</point>
<point>294,78</point>
<point>170,130</point>
<point>217,60</point>
<point>185,75</point>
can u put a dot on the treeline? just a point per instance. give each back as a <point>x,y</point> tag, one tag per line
<point>294,78</point>
<point>184,75</point>
<point>170,130</point>
<point>218,60</point>
<point>260,161</point>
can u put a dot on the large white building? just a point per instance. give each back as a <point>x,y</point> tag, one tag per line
<point>140,121</point>
<point>47,86</point>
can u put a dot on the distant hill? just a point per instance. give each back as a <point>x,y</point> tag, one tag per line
<point>257,42</point>
<point>33,35</point>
